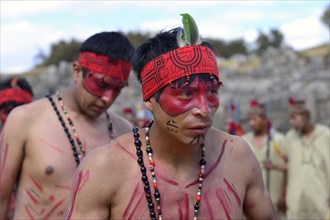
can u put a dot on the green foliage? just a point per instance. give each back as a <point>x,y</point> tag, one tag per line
<point>60,51</point>
<point>326,17</point>
<point>137,38</point>
<point>228,49</point>
<point>274,39</point>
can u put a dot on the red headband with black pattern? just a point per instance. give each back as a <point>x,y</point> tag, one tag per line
<point>118,69</point>
<point>15,95</point>
<point>175,64</point>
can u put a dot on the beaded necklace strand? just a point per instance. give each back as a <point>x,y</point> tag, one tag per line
<point>77,155</point>
<point>145,180</point>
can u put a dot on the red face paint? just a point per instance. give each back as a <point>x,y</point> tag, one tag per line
<point>197,94</point>
<point>100,85</point>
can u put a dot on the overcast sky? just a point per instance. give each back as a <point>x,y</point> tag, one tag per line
<point>28,27</point>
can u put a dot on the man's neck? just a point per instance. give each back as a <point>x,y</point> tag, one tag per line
<point>260,134</point>
<point>308,129</point>
<point>169,149</point>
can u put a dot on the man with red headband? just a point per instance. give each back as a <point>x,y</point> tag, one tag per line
<point>265,142</point>
<point>178,167</point>
<point>13,92</point>
<point>43,142</point>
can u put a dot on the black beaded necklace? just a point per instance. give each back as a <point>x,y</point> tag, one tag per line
<point>145,180</point>
<point>77,155</point>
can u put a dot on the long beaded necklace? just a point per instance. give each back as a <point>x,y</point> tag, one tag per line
<point>145,180</point>
<point>77,155</point>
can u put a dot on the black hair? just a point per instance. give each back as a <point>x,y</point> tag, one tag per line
<point>22,83</point>
<point>162,43</point>
<point>114,45</point>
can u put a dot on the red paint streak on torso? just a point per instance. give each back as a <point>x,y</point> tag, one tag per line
<point>183,208</point>
<point>52,146</point>
<point>34,200</point>
<point>36,183</point>
<point>213,167</point>
<point>29,213</point>
<point>53,209</point>
<point>129,153</point>
<point>63,187</point>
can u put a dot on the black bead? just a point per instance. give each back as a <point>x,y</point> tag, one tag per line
<point>140,161</point>
<point>139,152</point>
<point>136,135</point>
<point>148,195</point>
<point>147,188</point>
<point>144,178</point>
<point>149,200</point>
<point>157,194</point>
<point>135,130</point>
<point>143,170</point>
<point>151,205</point>
<point>202,161</point>
<point>137,143</point>
<point>196,206</point>
<point>149,150</point>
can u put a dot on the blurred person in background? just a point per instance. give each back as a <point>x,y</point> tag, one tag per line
<point>307,147</point>
<point>14,92</point>
<point>265,143</point>
<point>43,142</point>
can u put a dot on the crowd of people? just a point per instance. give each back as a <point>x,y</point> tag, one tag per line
<point>68,156</point>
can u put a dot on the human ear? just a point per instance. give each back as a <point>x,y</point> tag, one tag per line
<point>76,70</point>
<point>149,104</point>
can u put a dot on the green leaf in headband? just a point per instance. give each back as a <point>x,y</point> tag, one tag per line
<point>191,33</point>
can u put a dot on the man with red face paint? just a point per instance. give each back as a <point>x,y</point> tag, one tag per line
<point>13,92</point>
<point>42,143</point>
<point>178,167</point>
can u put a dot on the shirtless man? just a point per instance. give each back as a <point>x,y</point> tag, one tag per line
<point>43,142</point>
<point>178,167</point>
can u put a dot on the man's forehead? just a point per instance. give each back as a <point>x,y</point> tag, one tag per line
<point>109,80</point>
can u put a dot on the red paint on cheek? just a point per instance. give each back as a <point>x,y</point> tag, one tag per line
<point>198,94</point>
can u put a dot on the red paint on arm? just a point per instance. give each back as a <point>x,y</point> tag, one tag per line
<point>130,203</point>
<point>79,182</point>
<point>208,206</point>
<point>233,191</point>
<point>224,203</point>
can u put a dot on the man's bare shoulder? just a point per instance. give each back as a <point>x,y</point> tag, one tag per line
<point>240,145</point>
<point>27,113</point>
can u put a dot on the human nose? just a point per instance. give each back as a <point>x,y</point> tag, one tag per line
<point>107,96</point>
<point>202,106</point>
